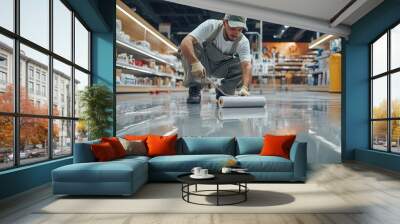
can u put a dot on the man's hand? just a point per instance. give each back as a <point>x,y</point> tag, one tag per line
<point>244,91</point>
<point>198,69</point>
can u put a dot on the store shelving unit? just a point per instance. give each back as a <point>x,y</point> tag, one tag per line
<point>144,71</point>
<point>141,53</point>
<point>145,58</point>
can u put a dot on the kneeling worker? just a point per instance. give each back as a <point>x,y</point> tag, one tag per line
<point>217,48</point>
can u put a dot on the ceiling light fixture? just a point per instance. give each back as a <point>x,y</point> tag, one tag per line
<point>320,41</point>
<point>279,33</point>
<point>147,29</point>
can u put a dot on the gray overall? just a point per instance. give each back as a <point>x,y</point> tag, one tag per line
<point>217,64</point>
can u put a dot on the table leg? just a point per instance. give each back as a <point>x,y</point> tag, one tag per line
<point>245,193</point>
<point>217,194</point>
<point>188,190</point>
<point>196,188</point>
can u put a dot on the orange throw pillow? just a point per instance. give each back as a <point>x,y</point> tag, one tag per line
<point>161,145</point>
<point>275,145</point>
<point>103,152</point>
<point>136,137</point>
<point>116,145</point>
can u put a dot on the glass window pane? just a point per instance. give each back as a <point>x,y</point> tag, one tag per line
<point>379,97</point>
<point>81,131</point>
<point>81,45</point>
<point>34,97</point>
<point>33,140</point>
<point>379,55</point>
<point>81,81</point>
<point>62,89</point>
<point>35,21</point>
<point>6,142</point>
<point>379,135</point>
<point>62,29</point>
<point>395,47</point>
<point>395,94</point>
<point>6,74</point>
<point>62,138</point>
<point>7,14</point>
<point>395,136</point>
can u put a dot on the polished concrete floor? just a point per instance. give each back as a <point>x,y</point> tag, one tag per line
<point>313,116</point>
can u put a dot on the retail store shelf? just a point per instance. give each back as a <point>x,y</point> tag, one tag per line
<point>144,71</point>
<point>147,89</point>
<point>141,53</point>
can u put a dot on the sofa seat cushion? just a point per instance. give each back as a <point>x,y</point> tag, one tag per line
<point>112,171</point>
<point>257,163</point>
<point>185,163</point>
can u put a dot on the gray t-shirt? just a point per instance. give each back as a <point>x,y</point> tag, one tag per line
<point>204,31</point>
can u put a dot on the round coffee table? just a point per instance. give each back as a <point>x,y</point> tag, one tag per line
<point>238,179</point>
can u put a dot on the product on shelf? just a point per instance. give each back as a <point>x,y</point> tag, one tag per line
<point>142,44</point>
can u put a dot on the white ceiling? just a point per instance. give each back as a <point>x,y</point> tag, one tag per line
<point>320,9</point>
<point>312,15</point>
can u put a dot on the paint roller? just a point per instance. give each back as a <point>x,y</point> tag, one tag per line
<point>232,101</point>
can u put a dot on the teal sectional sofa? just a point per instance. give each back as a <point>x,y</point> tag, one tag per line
<point>125,176</point>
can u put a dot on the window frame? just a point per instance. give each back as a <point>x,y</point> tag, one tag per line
<point>388,74</point>
<point>16,114</point>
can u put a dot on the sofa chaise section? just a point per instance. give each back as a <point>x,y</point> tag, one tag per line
<point>87,177</point>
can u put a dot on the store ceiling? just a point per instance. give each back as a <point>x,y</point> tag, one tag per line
<point>303,17</point>
<point>184,19</point>
<point>326,16</point>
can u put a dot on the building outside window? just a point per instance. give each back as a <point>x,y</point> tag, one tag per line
<point>43,90</point>
<point>38,89</point>
<point>3,78</point>
<point>43,77</point>
<point>30,72</point>
<point>3,72</point>
<point>37,74</point>
<point>30,87</point>
<point>3,61</point>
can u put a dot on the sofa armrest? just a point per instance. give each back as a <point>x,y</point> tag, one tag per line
<point>298,155</point>
<point>83,152</point>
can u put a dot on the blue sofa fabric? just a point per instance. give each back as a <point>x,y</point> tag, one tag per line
<point>83,152</point>
<point>249,145</point>
<point>207,145</point>
<point>257,163</point>
<point>184,163</point>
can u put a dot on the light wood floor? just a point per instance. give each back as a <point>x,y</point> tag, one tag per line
<point>378,188</point>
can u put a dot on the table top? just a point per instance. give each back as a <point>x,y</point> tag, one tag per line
<point>220,178</point>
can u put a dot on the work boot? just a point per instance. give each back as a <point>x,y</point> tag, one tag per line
<point>194,95</point>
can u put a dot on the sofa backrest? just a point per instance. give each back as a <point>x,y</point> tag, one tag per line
<point>206,145</point>
<point>249,145</point>
<point>83,153</point>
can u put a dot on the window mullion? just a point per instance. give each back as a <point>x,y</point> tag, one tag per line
<point>16,84</point>
<point>73,81</point>
<point>389,106</point>
<point>50,81</point>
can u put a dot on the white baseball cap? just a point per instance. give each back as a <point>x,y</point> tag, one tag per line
<point>236,21</point>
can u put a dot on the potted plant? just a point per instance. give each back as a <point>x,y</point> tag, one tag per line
<point>96,103</point>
